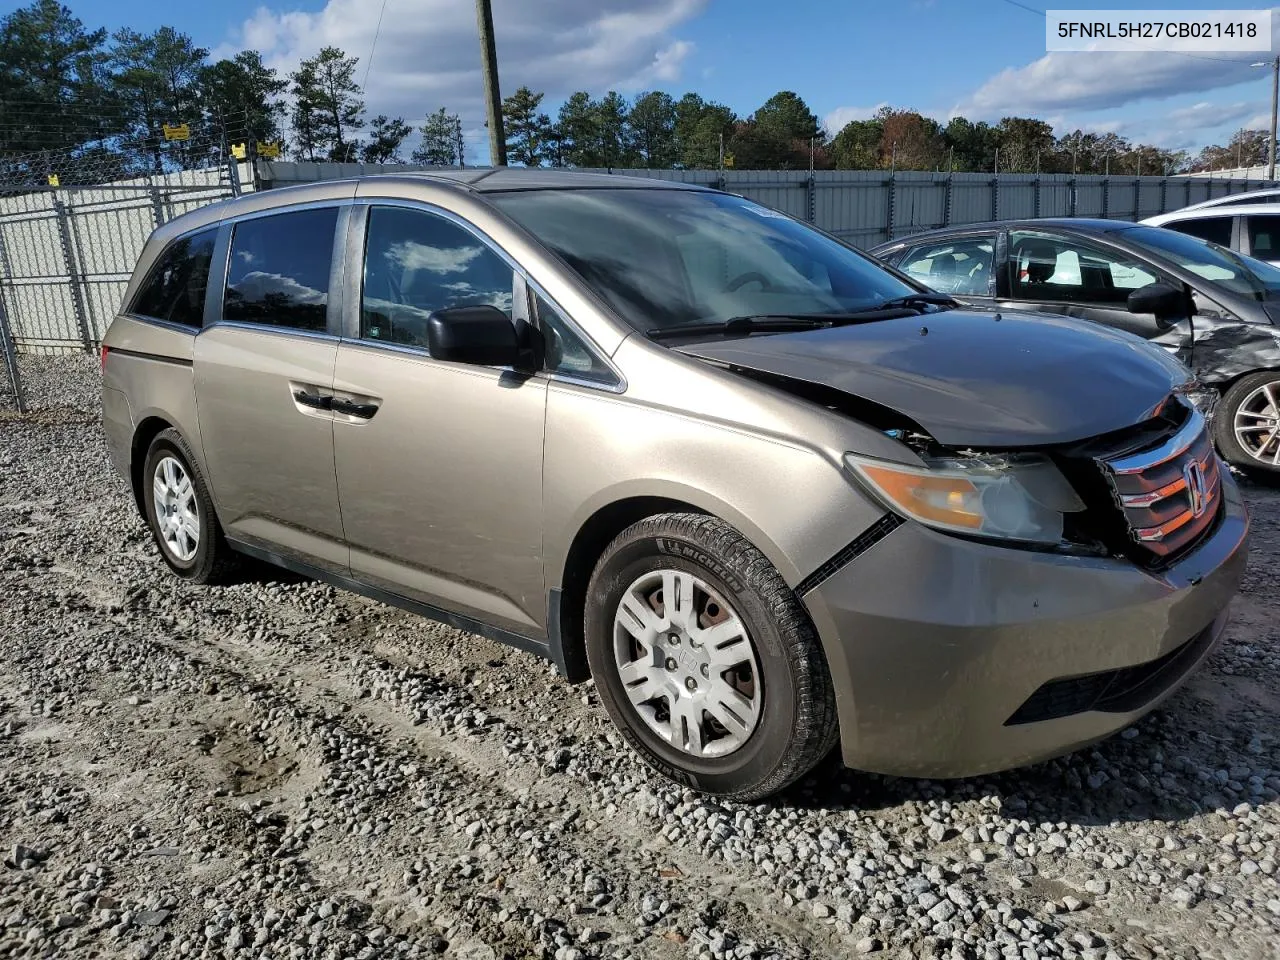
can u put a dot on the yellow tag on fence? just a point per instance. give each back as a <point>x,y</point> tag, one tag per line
<point>269,150</point>
<point>54,181</point>
<point>179,131</point>
<point>239,151</point>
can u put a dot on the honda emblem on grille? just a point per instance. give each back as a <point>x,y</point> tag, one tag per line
<point>1197,487</point>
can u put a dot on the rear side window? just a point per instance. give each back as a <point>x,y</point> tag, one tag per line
<point>279,270</point>
<point>176,286</point>
<point>1214,229</point>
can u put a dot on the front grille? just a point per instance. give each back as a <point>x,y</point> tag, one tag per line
<point>1169,492</point>
<point>1114,691</point>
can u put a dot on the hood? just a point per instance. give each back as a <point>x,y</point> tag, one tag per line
<point>975,378</point>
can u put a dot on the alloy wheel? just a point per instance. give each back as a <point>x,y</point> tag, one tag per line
<point>1257,424</point>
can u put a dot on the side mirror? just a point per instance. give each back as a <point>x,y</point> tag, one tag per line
<point>484,336</point>
<point>1169,303</point>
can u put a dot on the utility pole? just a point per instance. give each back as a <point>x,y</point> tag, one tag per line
<point>492,96</point>
<point>458,142</point>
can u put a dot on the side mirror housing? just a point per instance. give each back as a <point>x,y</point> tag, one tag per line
<point>1168,303</point>
<point>484,336</point>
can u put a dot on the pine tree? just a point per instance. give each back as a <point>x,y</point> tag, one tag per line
<point>527,130</point>
<point>441,140</point>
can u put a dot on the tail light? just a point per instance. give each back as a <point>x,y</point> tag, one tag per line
<point>102,359</point>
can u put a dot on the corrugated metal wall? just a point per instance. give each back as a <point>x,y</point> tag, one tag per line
<point>66,255</point>
<point>867,207</point>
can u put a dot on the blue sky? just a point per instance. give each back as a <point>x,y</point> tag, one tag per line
<point>981,58</point>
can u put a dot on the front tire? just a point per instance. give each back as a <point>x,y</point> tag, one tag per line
<point>180,513</point>
<point>705,660</point>
<point>1247,424</point>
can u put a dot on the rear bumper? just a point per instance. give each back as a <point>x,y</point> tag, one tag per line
<point>952,658</point>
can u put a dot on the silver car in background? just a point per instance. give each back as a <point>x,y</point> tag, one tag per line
<point>767,493</point>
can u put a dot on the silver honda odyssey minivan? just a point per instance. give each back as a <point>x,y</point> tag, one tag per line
<point>769,495</point>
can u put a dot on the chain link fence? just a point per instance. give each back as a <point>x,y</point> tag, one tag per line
<point>74,217</point>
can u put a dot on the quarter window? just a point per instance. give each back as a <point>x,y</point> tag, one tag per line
<point>961,266</point>
<point>1046,268</point>
<point>416,263</point>
<point>279,270</point>
<point>566,352</point>
<point>1264,237</point>
<point>175,289</point>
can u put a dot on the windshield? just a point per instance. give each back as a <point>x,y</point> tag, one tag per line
<point>667,257</point>
<point>1242,275</point>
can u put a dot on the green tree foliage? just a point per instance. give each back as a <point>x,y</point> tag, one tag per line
<point>857,145</point>
<point>778,136</point>
<point>334,108</point>
<point>699,127</point>
<point>441,143</point>
<point>970,146</point>
<point>613,121</point>
<point>244,94</point>
<point>910,141</point>
<point>385,137</point>
<point>51,69</point>
<point>1025,144</point>
<point>788,117</point>
<point>1246,148</point>
<point>577,131</point>
<point>156,81</point>
<point>527,130</point>
<point>653,129</point>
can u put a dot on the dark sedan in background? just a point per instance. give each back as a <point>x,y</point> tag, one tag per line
<point>1216,310</point>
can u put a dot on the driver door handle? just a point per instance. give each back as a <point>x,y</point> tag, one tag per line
<point>313,400</point>
<point>364,411</point>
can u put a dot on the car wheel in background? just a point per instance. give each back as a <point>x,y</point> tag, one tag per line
<point>705,659</point>
<point>1247,422</point>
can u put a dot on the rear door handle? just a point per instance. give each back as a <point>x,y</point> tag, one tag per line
<point>314,400</point>
<point>364,411</point>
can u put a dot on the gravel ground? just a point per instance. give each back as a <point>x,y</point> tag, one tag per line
<point>280,769</point>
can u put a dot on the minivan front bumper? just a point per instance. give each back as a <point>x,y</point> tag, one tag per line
<point>953,658</point>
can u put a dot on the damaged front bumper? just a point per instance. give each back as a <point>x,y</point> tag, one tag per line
<point>954,658</point>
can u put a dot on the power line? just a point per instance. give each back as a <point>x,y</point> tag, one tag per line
<point>1179,53</point>
<point>376,31</point>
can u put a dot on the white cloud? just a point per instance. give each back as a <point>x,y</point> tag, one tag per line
<point>1098,81</point>
<point>428,55</point>
<point>666,66</point>
<point>838,118</point>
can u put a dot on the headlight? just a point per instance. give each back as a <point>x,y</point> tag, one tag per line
<point>1010,497</point>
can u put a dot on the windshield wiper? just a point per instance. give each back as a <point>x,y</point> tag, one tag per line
<point>913,300</point>
<point>763,323</point>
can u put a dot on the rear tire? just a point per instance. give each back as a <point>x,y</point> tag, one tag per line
<point>1247,423</point>
<point>180,513</point>
<point>734,636</point>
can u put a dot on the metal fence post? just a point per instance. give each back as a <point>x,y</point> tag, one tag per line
<point>10,357</point>
<point>890,205</point>
<point>1074,197</point>
<point>157,205</point>
<point>75,276</point>
<point>1037,193</point>
<point>1106,197</point>
<point>947,197</point>
<point>995,197</point>
<point>811,186</point>
<point>1137,199</point>
<point>1164,194</point>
